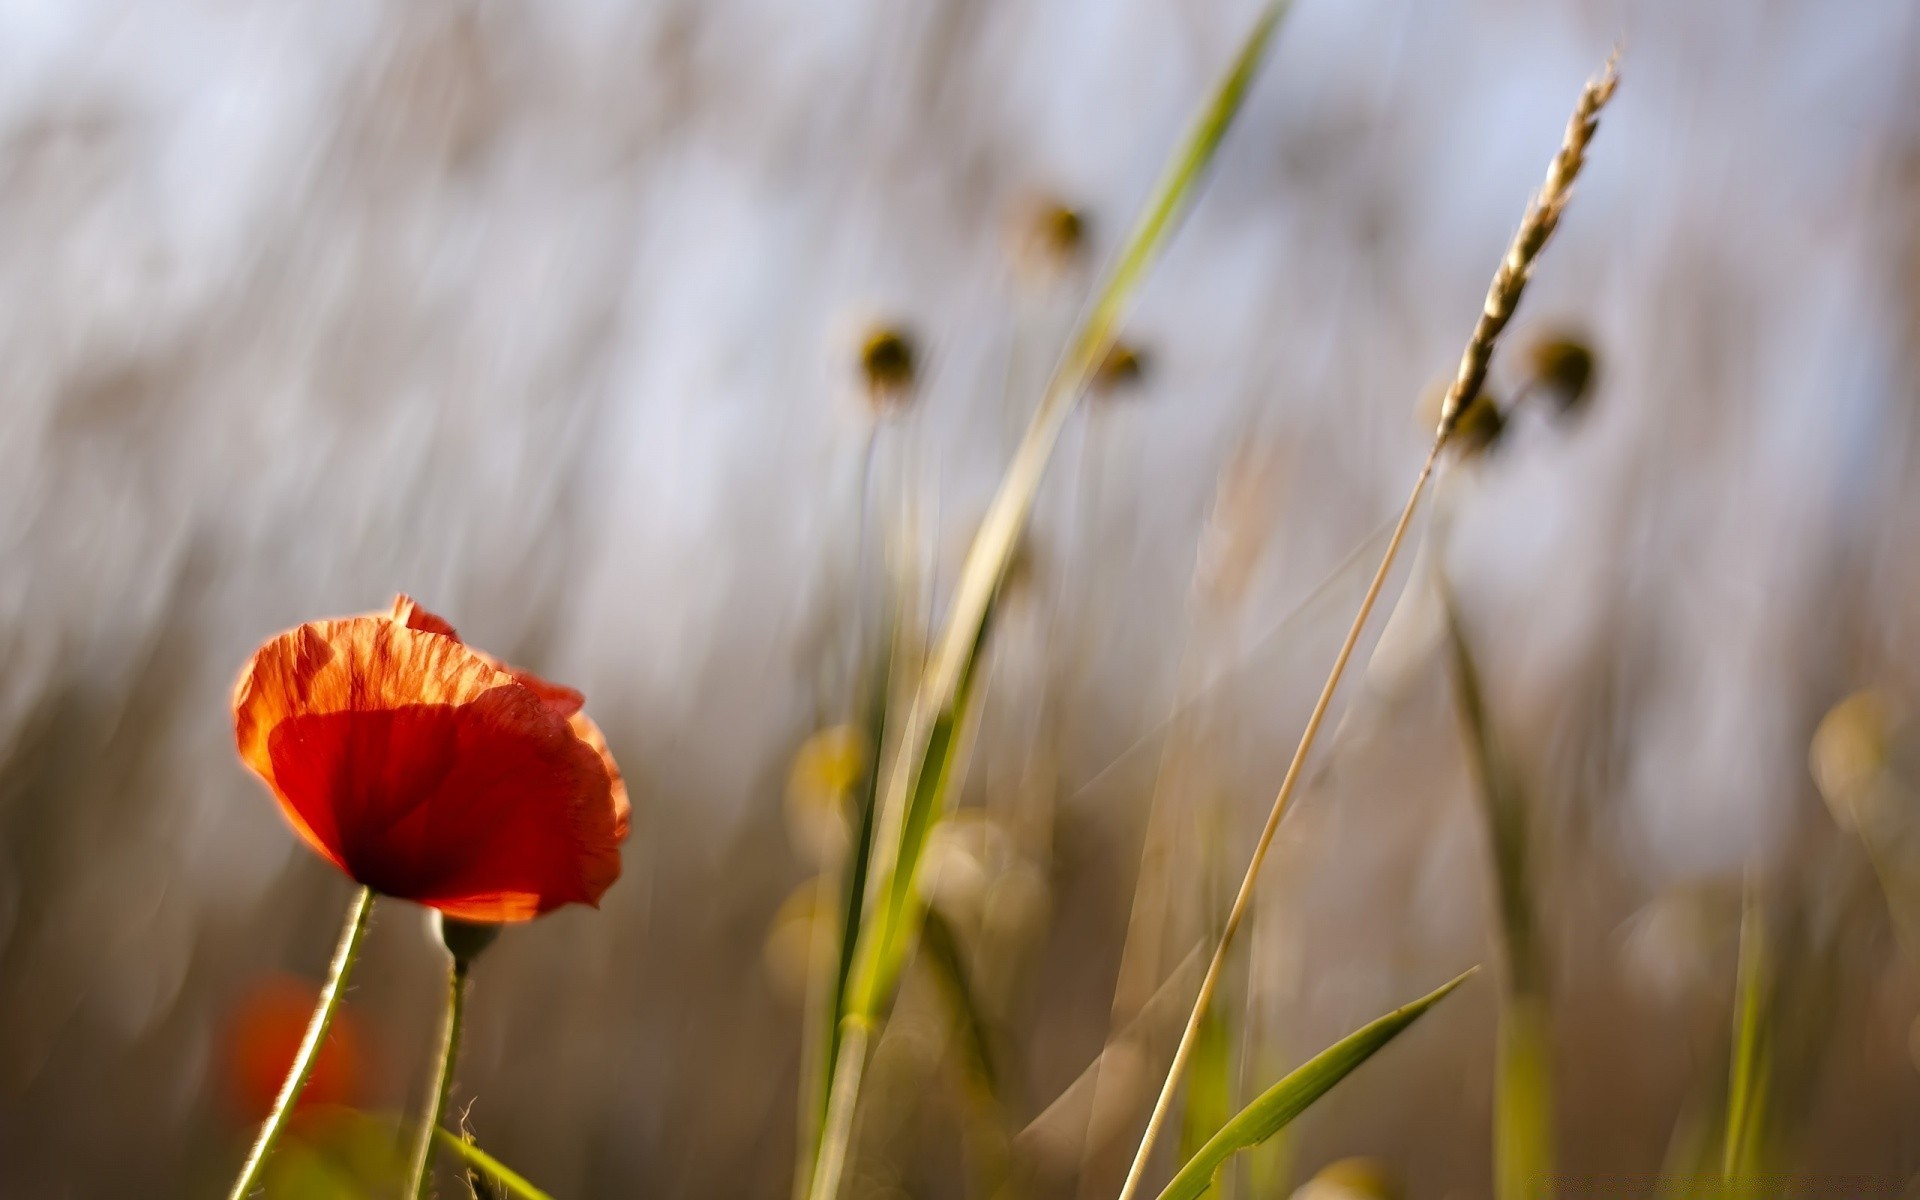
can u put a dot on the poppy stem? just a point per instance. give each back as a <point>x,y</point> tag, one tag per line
<point>442,1076</point>
<point>309,1052</point>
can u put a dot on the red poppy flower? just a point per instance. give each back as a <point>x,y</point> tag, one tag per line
<point>432,772</point>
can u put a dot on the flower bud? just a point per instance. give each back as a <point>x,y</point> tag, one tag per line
<point>463,939</point>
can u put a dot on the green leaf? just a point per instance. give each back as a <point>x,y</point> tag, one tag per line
<point>490,1166</point>
<point>1281,1103</point>
<point>1743,1159</point>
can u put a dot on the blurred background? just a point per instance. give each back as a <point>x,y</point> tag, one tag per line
<point>552,315</point>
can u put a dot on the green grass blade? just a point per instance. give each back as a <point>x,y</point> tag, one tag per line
<point>1281,1103</point>
<point>919,781</point>
<point>942,953</point>
<point>1743,1157</point>
<point>993,545</point>
<point>1209,1084</point>
<point>490,1166</point>
<point>853,895</point>
<point>1523,1083</point>
<point>896,921</point>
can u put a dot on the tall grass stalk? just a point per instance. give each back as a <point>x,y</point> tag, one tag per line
<point>1503,297</point>
<point>892,874</point>
<point>1523,1082</point>
<point>309,1052</point>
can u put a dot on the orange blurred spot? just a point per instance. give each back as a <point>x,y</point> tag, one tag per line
<point>265,1034</point>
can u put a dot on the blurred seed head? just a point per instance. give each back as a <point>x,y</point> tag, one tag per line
<point>888,365</point>
<point>1851,758</point>
<point>964,855</point>
<point>1562,366</point>
<point>1050,237</point>
<point>1479,428</point>
<point>1120,371</point>
<point>794,939</point>
<point>1351,1179</point>
<point>825,770</point>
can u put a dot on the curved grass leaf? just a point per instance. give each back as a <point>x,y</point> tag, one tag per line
<point>490,1166</point>
<point>1281,1103</point>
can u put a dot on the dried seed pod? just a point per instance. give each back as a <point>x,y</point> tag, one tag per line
<point>888,362</point>
<point>1121,369</point>
<point>1563,367</point>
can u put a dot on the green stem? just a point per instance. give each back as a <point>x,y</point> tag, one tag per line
<point>837,1133</point>
<point>442,1077</point>
<point>309,1052</point>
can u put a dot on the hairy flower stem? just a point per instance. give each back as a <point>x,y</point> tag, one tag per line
<point>309,1052</point>
<point>442,1077</point>
<point>1243,899</point>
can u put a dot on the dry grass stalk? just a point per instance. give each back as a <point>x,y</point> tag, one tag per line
<point>1542,218</point>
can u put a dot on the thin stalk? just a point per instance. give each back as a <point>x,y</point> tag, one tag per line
<point>309,1052</point>
<point>1749,1076</point>
<point>1244,897</point>
<point>1503,297</point>
<point>849,1065</point>
<point>443,1077</point>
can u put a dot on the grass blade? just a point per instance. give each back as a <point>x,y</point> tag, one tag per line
<point>490,1166</point>
<point>1274,1108</point>
<point>922,768</point>
<point>949,965</point>
<point>1748,1080</point>
<point>1523,1080</point>
<point>1209,1086</point>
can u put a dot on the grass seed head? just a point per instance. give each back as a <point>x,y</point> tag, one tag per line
<point>1050,237</point>
<point>888,364</point>
<point>1120,371</point>
<point>1563,367</point>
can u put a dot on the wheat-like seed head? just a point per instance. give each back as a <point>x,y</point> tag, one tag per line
<point>1543,217</point>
